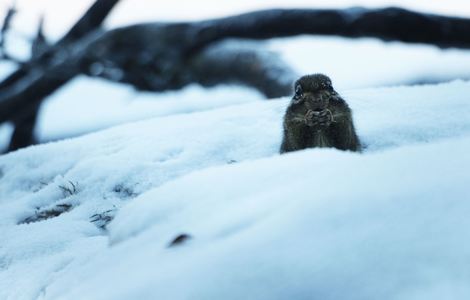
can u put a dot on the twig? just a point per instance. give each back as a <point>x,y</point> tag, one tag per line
<point>6,25</point>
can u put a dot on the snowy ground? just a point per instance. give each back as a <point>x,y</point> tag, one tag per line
<point>391,223</point>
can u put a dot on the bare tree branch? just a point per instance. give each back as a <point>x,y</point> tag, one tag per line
<point>388,24</point>
<point>91,20</point>
<point>39,44</point>
<point>6,25</point>
<point>28,86</point>
<point>23,134</point>
<point>242,63</point>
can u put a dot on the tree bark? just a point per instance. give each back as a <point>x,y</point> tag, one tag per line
<point>387,24</point>
<point>242,63</point>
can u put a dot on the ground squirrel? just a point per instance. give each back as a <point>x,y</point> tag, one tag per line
<point>318,117</point>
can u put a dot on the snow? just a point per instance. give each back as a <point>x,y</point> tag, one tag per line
<point>273,229</point>
<point>390,223</point>
<point>68,113</point>
<point>366,62</point>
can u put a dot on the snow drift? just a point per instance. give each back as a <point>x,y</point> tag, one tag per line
<point>390,223</point>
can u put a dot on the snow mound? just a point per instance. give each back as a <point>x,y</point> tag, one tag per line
<point>324,223</point>
<point>388,223</point>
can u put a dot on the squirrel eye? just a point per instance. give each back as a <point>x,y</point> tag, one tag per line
<point>298,91</point>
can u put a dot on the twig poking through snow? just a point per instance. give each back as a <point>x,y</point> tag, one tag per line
<point>69,190</point>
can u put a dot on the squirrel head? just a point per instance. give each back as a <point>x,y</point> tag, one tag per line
<point>315,91</point>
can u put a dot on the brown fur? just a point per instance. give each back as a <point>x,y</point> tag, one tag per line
<point>318,117</point>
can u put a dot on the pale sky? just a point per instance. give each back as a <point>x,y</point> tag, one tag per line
<point>61,14</point>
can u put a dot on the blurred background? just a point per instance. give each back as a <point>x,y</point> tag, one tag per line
<point>88,104</point>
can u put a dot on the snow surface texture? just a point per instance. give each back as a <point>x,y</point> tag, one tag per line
<point>391,223</point>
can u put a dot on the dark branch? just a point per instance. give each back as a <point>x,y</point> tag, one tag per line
<point>25,89</point>
<point>91,20</point>
<point>245,64</point>
<point>6,25</point>
<point>388,24</point>
<point>40,44</point>
<point>23,135</point>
